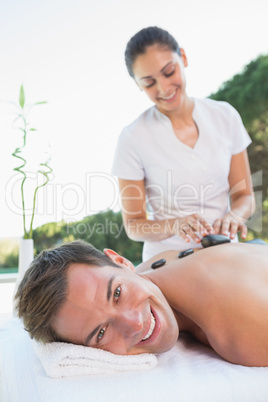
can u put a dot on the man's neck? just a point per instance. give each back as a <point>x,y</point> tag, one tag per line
<point>180,306</point>
<point>188,326</point>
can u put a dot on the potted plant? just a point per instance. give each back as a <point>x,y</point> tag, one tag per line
<point>22,116</point>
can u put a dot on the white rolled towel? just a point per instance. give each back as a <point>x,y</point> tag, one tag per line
<point>66,359</point>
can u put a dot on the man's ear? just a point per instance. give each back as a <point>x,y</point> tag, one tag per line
<point>118,259</point>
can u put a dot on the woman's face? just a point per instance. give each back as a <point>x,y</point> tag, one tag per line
<point>160,74</point>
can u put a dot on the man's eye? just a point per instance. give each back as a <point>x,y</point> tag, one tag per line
<point>101,334</point>
<point>117,292</point>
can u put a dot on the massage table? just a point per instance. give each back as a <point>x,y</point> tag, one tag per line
<point>188,372</point>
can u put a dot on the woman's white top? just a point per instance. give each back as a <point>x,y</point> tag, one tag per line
<point>181,180</point>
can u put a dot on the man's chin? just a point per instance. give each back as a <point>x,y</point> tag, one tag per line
<point>165,346</point>
<point>168,347</point>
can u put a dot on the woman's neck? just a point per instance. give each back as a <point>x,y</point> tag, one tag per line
<point>184,126</point>
<point>183,114</point>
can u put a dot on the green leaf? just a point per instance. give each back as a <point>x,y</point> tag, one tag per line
<point>22,97</point>
<point>40,103</point>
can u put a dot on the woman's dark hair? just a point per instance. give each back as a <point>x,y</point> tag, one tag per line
<point>147,37</point>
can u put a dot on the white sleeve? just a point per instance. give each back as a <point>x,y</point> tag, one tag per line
<point>241,139</point>
<point>127,163</point>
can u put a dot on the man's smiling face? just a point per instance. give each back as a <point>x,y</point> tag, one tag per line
<point>115,309</point>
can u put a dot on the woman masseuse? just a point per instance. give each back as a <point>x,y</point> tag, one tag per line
<point>182,165</point>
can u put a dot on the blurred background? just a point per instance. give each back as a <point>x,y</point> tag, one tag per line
<point>71,54</point>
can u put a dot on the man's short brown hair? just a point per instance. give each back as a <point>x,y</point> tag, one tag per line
<point>44,287</point>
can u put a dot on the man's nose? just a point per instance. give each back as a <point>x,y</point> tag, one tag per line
<point>129,322</point>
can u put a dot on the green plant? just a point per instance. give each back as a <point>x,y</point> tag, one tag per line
<point>43,168</point>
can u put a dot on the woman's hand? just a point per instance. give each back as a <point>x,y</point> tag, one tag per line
<point>242,199</point>
<point>139,228</point>
<point>229,225</point>
<point>192,227</point>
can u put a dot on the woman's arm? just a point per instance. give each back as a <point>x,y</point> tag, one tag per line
<point>242,198</point>
<point>139,228</point>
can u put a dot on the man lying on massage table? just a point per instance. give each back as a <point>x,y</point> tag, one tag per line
<point>77,294</point>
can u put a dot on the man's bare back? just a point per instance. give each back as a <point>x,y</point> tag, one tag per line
<point>220,295</point>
